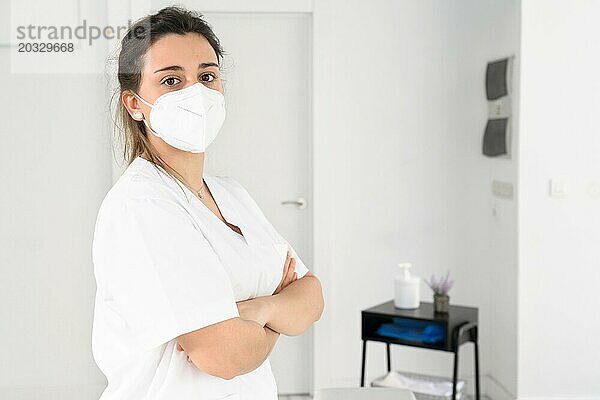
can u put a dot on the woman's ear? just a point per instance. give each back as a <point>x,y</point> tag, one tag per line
<point>132,105</point>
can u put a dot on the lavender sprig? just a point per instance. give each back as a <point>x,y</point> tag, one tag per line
<point>442,286</point>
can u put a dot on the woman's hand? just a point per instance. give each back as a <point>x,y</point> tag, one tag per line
<point>258,309</point>
<point>289,273</point>
<point>179,348</point>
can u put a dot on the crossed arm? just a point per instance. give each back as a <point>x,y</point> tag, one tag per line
<point>240,345</point>
<point>291,311</point>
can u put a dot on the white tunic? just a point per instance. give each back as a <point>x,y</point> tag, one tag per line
<point>166,265</point>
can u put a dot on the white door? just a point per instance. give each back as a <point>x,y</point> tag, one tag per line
<point>265,141</point>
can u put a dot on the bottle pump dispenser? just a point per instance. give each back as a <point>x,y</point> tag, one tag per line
<point>407,295</point>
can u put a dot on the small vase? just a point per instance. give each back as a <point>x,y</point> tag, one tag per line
<point>441,303</point>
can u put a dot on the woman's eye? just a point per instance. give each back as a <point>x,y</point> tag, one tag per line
<point>171,81</point>
<point>207,77</point>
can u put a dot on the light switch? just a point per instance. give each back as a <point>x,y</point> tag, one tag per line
<point>594,190</point>
<point>502,189</point>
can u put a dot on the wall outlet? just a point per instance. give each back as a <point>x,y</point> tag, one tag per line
<point>559,187</point>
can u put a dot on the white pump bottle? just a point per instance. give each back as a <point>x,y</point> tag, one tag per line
<point>407,289</point>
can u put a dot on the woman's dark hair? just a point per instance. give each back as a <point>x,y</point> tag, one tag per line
<point>134,45</point>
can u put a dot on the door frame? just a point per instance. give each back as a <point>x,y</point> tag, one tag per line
<point>320,176</point>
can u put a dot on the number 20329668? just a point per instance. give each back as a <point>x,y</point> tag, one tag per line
<point>45,47</point>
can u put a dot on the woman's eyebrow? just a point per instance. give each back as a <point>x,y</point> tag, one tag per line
<point>209,64</point>
<point>179,68</point>
<point>170,68</point>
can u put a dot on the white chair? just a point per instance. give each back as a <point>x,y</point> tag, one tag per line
<point>364,393</point>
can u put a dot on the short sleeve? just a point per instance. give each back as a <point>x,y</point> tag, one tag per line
<point>163,275</point>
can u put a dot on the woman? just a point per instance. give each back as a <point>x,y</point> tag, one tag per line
<point>194,285</point>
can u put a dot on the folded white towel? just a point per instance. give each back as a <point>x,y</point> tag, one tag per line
<point>419,385</point>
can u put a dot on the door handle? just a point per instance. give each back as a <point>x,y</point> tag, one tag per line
<point>301,202</point>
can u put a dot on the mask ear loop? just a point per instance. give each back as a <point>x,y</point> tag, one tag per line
<point>148,126</point>
<point>142,100</point>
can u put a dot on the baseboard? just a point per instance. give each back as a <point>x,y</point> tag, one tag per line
<point>560,398</point>
<point>496,391</point>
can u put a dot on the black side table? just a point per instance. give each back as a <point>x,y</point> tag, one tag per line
<point>459,327</point>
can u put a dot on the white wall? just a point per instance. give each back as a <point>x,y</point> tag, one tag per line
<point>54,174</point>
<point>487,30</point>
<point>394,165</point>
<point>54,156</point>
<point>409,180</point>
<point>559,255</point>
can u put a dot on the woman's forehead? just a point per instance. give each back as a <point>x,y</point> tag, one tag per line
<point>187,51</point>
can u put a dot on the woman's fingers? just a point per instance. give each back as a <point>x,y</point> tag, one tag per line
<point>286,266</point>
<point>179,348</point>
<point>288,262</point>
<point>291,271</point>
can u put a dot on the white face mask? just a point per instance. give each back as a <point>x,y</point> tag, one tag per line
<point>188,119</point>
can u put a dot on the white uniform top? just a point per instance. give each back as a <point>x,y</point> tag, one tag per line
<point>166,265</point>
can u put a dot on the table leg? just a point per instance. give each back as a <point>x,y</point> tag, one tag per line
<point>476,370</point>
<point>389,362</point>
<point>362,373</point>
<point>455,377</point>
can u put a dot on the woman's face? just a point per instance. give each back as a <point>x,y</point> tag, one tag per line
<point>172,63</point>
